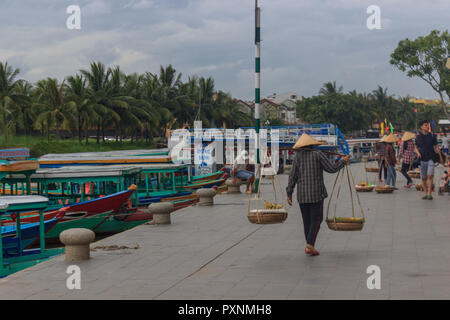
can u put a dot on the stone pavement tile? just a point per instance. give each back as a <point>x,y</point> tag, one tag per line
<point>306,291</point>
<point>245,290</point>
<point>275,291</point>
<point>183,290</point>
<point>408,238</point>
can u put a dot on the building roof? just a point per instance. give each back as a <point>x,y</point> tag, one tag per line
<point>282,97</point>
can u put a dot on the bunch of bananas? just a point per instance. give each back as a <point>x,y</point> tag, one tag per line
<point>268,205</point>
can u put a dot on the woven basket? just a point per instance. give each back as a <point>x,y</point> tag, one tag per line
<point>372,169</point>
<point>384,189</point>
<point>419,187</point>
<point>344,226</point>
<point>267,216</point>
<point>414,174</point>
<point>364,188</point>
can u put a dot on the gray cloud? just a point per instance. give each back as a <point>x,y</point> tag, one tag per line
<point>304,42</point>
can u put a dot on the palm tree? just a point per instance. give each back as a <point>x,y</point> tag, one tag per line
<point>330,88</point>
<point>10,96</point>
<point>54,109</point>
<point>383,104</point>
<point>102,91</point>
<point>80,104</point>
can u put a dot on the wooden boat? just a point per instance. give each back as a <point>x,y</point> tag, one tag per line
<point>19,166</point>
<point>211,176</point>
<point>15,257</point>
<point>122,221</point>
<point>29,234</point>
<point>89,214</point>
<point>104,158</point>
<point>204,184</point>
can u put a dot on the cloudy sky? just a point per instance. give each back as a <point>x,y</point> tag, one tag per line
<point>304,42</point>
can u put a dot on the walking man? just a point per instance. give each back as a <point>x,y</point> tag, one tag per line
<point>427,150</point>
<point>307,174</point>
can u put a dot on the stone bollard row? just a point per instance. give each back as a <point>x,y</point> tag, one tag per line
<point>233,188</point>
<point>161,212</point>
<point>206,196</point>
<point>77,242</point>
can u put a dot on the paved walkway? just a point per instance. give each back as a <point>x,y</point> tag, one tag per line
<point>215,253</point>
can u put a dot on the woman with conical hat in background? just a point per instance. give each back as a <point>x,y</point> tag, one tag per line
<point>390,159</point>
<point>406,155</point>
<point>380,149</point>
<point>307,174</point>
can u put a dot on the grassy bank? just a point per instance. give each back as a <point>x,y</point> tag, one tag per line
<point>39,146</point>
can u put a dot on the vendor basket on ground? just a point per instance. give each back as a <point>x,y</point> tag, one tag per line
<point>262,211</point>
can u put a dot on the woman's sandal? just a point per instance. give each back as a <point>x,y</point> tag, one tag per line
<point>311,250</point>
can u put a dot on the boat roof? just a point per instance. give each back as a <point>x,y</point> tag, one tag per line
<point>22,203</point>
<point>117,153</point>
<point>124,156</point>
<point>158,167</point>
<point>79,172</point>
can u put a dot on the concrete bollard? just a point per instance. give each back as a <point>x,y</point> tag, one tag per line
<point>206,196</point>
<point>77,242</point>
<point>161,212</point>
<point>233,188</point>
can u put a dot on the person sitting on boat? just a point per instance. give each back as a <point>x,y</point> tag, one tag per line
<point>239,171</point>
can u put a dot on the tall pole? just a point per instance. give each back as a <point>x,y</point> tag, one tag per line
<point>257,85</point>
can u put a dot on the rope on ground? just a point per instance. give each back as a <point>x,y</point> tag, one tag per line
<point>115,247</point>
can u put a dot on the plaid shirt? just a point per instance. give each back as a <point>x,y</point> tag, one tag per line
<point>307,173</point>
<point>390,154</point>
<point>407,155</point>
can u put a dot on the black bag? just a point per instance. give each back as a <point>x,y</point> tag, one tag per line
<point>416,162</point>
<point>436,158</point>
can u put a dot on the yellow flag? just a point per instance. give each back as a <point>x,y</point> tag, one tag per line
<point>382,128</point>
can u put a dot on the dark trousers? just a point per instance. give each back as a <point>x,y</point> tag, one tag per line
<point>405,168</point>
<point>382,164</point>
<point>312,214</point>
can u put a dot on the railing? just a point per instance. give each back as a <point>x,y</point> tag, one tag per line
<point>290,134</point>
<point>342,142</point>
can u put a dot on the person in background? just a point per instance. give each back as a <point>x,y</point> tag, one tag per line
<point>406,156</point>
<point>390,159</point>
<point>426,148</point>
<point>239,171</point>
<point>445,184</point>
<point>445,144</point>
<point>380,149</point>
<point>307,174</point>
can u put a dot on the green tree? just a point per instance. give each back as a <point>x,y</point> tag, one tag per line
<point>54,109</point>
<point>330,88</point>
<point>10,95</point>
<point>80,104</point>
<point>425,57</point>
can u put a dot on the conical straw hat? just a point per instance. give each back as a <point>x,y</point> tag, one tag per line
<point>306,140</point>
<point>391,138</point>
<point>383,138</point>
<point>408,136</point>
